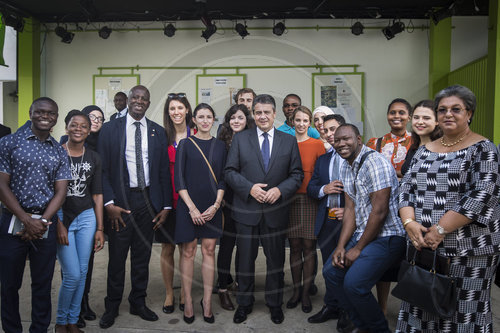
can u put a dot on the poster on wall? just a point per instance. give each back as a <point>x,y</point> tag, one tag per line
<point>106,87</point>
<point>232,95</point>
<point>206,95</point>
<point>329,96</point>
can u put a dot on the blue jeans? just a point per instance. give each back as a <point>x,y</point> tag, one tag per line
<point>352,286</point>
<point>74,260</point>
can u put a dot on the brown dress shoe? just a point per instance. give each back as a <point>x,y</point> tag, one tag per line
<point>61,328</point>
<point>225,301</point>
<point>72,328</point>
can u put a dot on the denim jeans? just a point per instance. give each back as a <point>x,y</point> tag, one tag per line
<point>74,260</point>
<point>352,286</point>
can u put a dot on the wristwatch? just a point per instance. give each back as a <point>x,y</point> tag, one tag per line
<point>440,230</point>
<point>44,220</point>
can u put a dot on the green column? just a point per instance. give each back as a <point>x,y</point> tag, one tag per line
<point>28,68</point>
<point>493,73</point>
<point>439,55</point>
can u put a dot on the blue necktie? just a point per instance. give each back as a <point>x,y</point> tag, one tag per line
<point>141,179</point>
<point>265,150</point>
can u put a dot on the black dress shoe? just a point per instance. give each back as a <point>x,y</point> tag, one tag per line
<point>241,314</point>
<point>277,316</point>
<point>144,312</point>
<point>307,308</point>
<point>313,289</point>
<point>344,324</point>
<point>210,319</point>
<point>108,319</point>
<point>81,322</point>
<point>292,303</point>
<point>85,310</point>
<point>323,315</point>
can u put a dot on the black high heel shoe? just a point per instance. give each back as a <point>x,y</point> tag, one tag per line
<point>293,303</point>
<point>169,308</point>
<point>188,320</point>
<point>210,319</point>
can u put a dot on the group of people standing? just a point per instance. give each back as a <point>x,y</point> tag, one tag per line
<point>362,205</point>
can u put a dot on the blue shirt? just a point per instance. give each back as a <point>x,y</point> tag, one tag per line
<point>311,132</point>
<point>34,167</point>
<point>375,174</point>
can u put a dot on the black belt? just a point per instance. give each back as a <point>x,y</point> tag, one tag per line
<point>138,189</point>
<point>37,211</point>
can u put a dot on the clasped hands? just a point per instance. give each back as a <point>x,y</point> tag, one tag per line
<point>262,196</point>
<point>201,218</point>
<point>421,236</point>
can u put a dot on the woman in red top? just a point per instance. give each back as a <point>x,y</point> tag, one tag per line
<point>303,214</point>
<point>177,115</point>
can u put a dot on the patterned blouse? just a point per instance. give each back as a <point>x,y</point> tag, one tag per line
<point>394,148</point>
<point>466,181</point>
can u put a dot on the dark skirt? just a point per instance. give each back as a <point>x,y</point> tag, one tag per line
<point>302,217</point>
<point>166,233</point>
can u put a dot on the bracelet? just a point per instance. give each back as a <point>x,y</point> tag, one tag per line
<point>407,221</point>
<point>99,229</point>
<point>216,208</point>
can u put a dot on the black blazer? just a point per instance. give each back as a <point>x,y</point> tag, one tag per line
<point>115,179</point>
<point>245,167</point>
<point>4,130</point>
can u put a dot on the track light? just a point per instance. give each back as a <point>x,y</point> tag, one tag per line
<point>13,21</point>
<point>104,32</point>
<point>443,13</point>
<point>241,30</point>
<point>209,31</point>
<point>357,29</point>
<point>279,29</point>
<point>392,30</point>
<point>169,30</point>
<point>66,36</point>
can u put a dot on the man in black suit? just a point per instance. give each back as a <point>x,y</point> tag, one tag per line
<point>137,197</point>
<point>264,170</point>
<point>120,102</point>
<point>4,131</point>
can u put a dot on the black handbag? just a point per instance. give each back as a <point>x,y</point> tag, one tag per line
<point>429,290</point>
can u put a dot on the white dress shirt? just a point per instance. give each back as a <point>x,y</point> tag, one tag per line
<point>270,137</point>
<point>130,150</point>
<point>122,113</point>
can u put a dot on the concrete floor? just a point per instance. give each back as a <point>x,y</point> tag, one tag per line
<point>258,321</point>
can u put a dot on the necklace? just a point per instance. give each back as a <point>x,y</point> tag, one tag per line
<point>73,164</point>
<point>453,143</point>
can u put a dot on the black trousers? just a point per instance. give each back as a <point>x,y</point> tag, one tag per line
<point>138,237</point>
<point>273,243</point>
<point>225,255</point>
<point>42,258</point>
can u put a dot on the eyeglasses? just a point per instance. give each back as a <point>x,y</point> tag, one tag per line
<point>179,95</point>
<point>453,110</point>
<point>96,118</point>
<point>293,105</point>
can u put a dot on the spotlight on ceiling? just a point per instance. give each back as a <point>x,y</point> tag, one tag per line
<point>13,21</point>
<point>279,29</point>
<point>392,30</point>
<point>241,30</point>
<point>443,13</point>
<point>66,36</point>
<point>209,31</point>
<point>357,28</point>
<point>104,32</point>
<point>169,30</point>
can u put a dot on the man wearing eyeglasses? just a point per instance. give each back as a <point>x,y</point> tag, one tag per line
<point>290,103</point>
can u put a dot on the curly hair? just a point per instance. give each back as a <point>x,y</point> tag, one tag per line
<point>226,132</point>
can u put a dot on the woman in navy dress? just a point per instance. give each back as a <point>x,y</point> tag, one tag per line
<point>198,213</point>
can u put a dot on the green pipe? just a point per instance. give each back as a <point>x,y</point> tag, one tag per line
<point>317,66</point>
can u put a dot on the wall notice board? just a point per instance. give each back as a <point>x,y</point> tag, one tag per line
<point>106,86</point>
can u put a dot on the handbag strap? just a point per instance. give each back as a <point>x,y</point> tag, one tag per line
<point>205,158</point>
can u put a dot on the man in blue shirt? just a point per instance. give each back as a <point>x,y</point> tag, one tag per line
<point>372,236</point>
<point>290,103</point>
<point>34,174</point>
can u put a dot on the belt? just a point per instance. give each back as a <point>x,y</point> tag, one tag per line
<point>138,189</point>
<point>27,210</point>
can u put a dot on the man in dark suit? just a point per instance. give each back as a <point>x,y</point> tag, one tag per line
<point>264,170</point>
<point>4,131</point>
<point>120,102</point>
<point>137,197</point>
<point>326,186</point>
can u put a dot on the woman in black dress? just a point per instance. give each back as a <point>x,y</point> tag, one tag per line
<point>199,181</point>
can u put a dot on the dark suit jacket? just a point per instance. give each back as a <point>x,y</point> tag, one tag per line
<point>4,130</point>
<point>320,177</point>
<point>245,167</point>
<point>115,178</point>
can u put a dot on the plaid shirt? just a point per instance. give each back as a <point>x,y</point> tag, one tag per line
<point>376,174</point>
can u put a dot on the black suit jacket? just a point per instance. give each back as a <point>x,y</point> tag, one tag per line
<point>245,167</point>
<point>115,178</point>
<point>4,130</point>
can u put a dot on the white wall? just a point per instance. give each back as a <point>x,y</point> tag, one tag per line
<point>8,74</point>
<point>469,39</point>
<point>395,68</point>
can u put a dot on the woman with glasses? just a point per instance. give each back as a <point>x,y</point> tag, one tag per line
<point>177,117</point>
<point>449,202</point>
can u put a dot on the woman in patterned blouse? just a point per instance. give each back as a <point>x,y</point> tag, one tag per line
<point>449,202</point>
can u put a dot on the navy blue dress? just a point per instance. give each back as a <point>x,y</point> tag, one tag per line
<point>192,174</point>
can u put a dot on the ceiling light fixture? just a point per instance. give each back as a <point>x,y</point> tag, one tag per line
<point>392,30</point>
<point>241,30</point>
<point>209,31</point>
<point>104,32</point>
<point>14,21</point>
<point>357,28</point>
<point>169,30</point>
<point>443,13</point>
<point>66,36</point>
<point>279,29</point>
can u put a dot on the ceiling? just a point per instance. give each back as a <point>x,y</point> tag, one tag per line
<point>72,11</point>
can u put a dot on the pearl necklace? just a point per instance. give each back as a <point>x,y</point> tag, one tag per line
<point>454,143</point>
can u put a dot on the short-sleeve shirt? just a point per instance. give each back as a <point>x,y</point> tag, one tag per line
<point>86,174</point>
<point>34,166</point>
<point>375,174</point>
<point>393,147</point>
